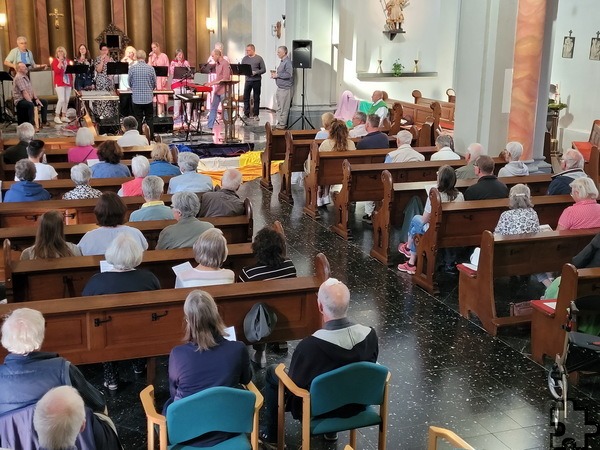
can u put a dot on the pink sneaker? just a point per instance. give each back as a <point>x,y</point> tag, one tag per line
<point>406,267</point>
<point>403,248</point>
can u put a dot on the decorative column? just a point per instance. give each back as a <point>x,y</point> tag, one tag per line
<point>176,27</point>
<point>139,21</point>
<point>97,17</point>
<point>527,65</point>
<point>60,31</point>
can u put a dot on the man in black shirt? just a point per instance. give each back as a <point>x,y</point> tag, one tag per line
<point>488,186</point>
<point>374,137</point>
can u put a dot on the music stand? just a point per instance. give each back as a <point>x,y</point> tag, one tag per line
<point>117,68</point>
<point>183,74</point>
<point>78,69</point>
<point>161,71</point>
<point>239,70</point>
<point>207,68</point>
<point>7,116</point>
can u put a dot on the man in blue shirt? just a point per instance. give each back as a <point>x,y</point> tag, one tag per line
<point>284,79</point>
<point>142,80</point>
<point>374,137</point>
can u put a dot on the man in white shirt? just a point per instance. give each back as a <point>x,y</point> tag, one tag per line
<point>131,136</point>
<point>404,152</point>
<point>359,127</point>
<point>35,154</point>
<point>444,144</point>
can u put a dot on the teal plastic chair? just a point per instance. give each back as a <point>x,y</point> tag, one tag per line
<point>362,383</point>
<point>216,409</point>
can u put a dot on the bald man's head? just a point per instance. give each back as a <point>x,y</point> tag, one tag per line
<point>334,298</point>
<point>474,151</point>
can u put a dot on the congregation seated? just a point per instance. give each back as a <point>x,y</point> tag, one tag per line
<point>50,239</point>
<point>404,152</point>
<point>206,359</point>
<point>374,138</point>
<point>224,201</point>
<point>35,154</point>
<point>84,147</point>
<point>124,254</point>
<point>359,125</point>
<point>110,154</point>
<point>81,175</point>
<point>26,190</point>
<point>467,172</point>
<point>348,105</point>
<point>326,121</point>
<point>446,186</point>
<point>210,252</point>
<point>585,213</point>
<point>189,180</point>
<point>444,149</point>
<point>488,186</point>
<point>131,136</point>
<point>269,249</point>
<point>161,164</point>
<point>110,216</point>
<point>338,139</point>
<point>140,166</point>
<point>154,208</point>
<point>338,343</point>
<point>185,232</point>
<point>14,153</point>
<point>521,218</point>
<point>514,167</point>
<point>58,418</point>
<point>571,163</point>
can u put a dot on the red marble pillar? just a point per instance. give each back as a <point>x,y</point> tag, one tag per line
<point>529,43</point>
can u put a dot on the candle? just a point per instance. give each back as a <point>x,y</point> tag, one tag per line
<point>50,59</point>
<point>380,52</point>
<point>418,54</point>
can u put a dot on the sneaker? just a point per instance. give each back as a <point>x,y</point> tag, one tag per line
<point>65,120</point>
<point>57,120</point>
<point>319,202</point>
<point>266,442</point>
<point>403,248</point>
<point>331,437</point>
<point>246,117</point>
<point>367,219</point>
<point>408,268</point>
<point>112,385</point>
<point>259,358</point>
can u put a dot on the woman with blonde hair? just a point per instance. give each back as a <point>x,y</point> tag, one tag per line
<point>326,119</point>
<point>125,101</point>
<point>50,239</point>
<point>162,161</point>
<point>178,86</point>
<point>62,84</point>
<point>84,147</point>
<point>157,58</point>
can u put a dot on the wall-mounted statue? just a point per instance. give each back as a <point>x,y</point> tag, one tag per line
<point>395,15</point>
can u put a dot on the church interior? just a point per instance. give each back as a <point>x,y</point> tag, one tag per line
<point>495,64</point>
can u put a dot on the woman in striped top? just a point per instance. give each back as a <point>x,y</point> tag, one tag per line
<point>269,249</point>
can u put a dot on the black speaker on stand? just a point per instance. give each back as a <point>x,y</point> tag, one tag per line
<point>302,59</point>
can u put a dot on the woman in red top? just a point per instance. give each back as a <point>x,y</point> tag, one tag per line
<point>62,84</point>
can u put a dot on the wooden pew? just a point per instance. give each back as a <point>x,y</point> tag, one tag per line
<point>592,165</point>
<point>363,182</point>
<point>54,155</point>
<point>58,188</point>
<point>275,149</point>
<point>43,279</point>
<point>146,324</point>
<point>426,119</point>
<point>503,256</point>
<point>461,224</point>
<point>447,108</point>
<point>297,152</point>
<point>7,171</point>
<point>547,333</point>
<point>62,142</point>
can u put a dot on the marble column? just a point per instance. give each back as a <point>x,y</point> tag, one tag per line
<point>529,44</point>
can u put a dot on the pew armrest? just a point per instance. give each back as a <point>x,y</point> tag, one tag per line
<point>547,306</point>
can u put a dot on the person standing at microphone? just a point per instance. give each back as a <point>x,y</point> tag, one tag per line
<point>62,83</point>
<point>253,83</point>
<point>158,59</point>
<point>104,82</point>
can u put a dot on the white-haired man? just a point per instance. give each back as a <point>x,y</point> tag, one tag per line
<point>190,179</point>
<point>467,172</point>
<point>225,201</point>
<point>58,418</point>
<point>131,135</point>
<point>154,208</point>
<point>572,163</point>
<point>359,125</point>
<point>404,152</point>
<point>514,167</point>
<point>14,153</point>
<point>338,343</point>
<point>445,149</point>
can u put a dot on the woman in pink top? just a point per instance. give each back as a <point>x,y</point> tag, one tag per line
<point>156,58</point>
<point>62,84</point>
<point>585,213</point>
<point>140,166</point>
<point>83,150</point>
<point>178,85</point>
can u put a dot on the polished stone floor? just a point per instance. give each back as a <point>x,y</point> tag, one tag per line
<point>446,370</point>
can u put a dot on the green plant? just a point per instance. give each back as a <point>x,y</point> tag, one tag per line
<point>397,68</point>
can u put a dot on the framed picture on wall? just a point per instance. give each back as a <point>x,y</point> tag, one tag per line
<point>568,47</point>
<point>595,49</point>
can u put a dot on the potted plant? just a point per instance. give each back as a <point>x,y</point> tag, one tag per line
<point>397,68</point>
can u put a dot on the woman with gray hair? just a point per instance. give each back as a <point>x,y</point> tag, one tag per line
<point>83,150</point>
<point>124,254</point>
<point>140,166</point>
<point>521,218</point>
<point>154,208</point>
<point>585,213</point>
<point>184,233</point>
<point>81,175</point>
<point>190,179</point>
<point>513,167</point>
<point>210,252</point>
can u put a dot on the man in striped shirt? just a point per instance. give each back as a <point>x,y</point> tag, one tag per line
<point>142,80</point>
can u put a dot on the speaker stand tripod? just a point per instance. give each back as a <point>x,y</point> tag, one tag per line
<point>302,111</point>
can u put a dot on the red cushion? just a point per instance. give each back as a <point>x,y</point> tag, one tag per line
<point>585,148</point>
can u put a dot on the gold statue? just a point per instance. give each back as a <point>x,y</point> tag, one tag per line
<point>56,15</point>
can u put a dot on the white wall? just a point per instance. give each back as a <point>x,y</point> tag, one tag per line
<point>577,77</point>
